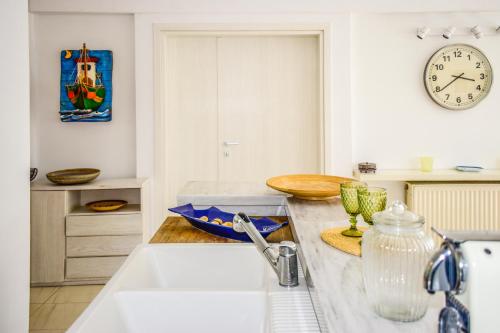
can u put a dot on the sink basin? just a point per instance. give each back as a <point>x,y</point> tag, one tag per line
<point>198,288</point>
<point>194,311</point>
<point>195,266</point>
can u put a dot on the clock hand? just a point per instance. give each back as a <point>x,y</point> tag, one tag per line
<point>464,78</point>
<point>456,78</point>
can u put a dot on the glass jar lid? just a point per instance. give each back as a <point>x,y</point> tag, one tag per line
<point>398,214</point>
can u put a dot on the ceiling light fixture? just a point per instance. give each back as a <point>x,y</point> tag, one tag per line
<point>449,32</point>
<point>476,31</point>
<point>422,32</point>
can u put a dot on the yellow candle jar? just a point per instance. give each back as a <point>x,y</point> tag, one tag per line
<point>426,163</point>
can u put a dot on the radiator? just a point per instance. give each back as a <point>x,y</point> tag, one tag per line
<point>456,206</point>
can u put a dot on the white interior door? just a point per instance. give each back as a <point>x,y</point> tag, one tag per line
<point>269,106</point>
<point>241,108</point>
<point>190,104</point>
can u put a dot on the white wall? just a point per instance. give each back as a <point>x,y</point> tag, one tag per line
<point>14,149</point>
<point>109,146</point>
<point>394,120</point>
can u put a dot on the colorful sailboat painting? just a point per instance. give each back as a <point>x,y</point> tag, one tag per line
<point>86,85</point>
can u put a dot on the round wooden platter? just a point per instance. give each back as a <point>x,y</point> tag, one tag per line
<point>106,205</point>
<point>333,237</point>
<point>308,187</point>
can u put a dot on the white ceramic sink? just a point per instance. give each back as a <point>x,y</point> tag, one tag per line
<point>198,288</point>
<point>195,266</point>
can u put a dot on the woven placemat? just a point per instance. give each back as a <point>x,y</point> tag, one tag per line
<point>333,237</point>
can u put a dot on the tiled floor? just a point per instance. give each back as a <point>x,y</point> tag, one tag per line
<point>54,309</point>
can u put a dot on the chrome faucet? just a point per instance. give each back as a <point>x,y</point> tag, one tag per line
<point>284,261</point>
<point>447,269</point>
<point>447,272</point>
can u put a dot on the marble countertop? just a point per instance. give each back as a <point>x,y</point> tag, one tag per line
<point>337,276</point>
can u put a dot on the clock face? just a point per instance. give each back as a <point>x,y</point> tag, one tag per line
<point>458,76</point>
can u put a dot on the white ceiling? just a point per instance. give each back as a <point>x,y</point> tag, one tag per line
<point>262,6</point>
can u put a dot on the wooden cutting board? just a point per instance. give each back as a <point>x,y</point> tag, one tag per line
<point>177,229</point>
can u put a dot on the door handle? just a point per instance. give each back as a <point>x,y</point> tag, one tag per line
<point>231,143</point>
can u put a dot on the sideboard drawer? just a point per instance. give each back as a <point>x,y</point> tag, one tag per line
<point>93,267</point>
<point>101,245</point>
<point>102,225</point>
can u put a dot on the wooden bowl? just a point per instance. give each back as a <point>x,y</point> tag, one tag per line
<point>73,176</point>
<point>308,187</point>
<point>106,205</point>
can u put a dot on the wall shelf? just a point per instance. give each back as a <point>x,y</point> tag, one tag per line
<point>98,184</point>
<point>444,175</point>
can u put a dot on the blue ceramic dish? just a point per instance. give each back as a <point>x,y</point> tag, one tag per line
<point>264,225</point>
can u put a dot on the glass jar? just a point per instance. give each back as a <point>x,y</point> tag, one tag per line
<point>395,252</point>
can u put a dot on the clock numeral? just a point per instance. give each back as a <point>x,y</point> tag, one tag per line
<point>458,54</point>
<point>481,76</point>
<point>439,67</point>
<point>447,96</point>
<point>459,100</point>
<point>478,65</point>
<point>438,88</point>
<point>469,96</point>
<point>446,58</point>
<point>434,78</point>
<point>478,87</point>
<point>468,56</point>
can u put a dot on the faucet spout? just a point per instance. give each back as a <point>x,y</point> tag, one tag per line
<point>242,223</point>
<point>447,269</point>
<point>447,272</point>
<point>283,262</point>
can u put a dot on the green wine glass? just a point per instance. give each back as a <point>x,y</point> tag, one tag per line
<point>349,195</point>
<point>372,200</point>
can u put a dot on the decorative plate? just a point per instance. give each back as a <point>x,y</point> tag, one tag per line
<point>468,168</point>
<point>73,176</point>
<point>308,187</point>
<point>197,219</point>
<point>106,205</point>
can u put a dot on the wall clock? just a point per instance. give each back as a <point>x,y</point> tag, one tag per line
<point>458,76</point>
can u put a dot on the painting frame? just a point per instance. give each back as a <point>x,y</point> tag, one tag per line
<point>86,87</point>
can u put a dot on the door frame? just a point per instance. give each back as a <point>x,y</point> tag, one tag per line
<point>322,31</point>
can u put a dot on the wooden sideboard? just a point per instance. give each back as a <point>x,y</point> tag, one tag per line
<point>71,244</point>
